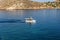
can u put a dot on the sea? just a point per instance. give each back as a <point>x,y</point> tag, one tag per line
<point>14,27</point>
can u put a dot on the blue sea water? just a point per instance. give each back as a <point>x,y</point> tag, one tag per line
<point>47,26</point>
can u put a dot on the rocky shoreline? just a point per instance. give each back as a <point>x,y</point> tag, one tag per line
<point>29,8</point>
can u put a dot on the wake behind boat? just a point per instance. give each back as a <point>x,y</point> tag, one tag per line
<point>11,21</point>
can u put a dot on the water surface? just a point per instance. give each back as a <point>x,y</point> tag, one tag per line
<point>12,26</point>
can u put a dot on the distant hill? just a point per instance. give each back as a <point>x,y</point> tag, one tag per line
<point>25,4</point>
<point>17,4</point>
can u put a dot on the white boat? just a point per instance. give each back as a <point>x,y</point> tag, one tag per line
<point>30,20</point>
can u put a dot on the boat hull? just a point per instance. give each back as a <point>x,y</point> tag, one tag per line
<point>30,21</point>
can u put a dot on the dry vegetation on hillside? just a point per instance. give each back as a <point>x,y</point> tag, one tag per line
<point>27,4</point>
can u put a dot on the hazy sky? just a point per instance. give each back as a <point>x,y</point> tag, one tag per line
<point>43,0</point>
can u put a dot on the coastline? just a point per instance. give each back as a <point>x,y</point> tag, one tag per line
<point>31,9</point>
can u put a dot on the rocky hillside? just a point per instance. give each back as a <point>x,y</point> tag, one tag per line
<point>27,4</point>
<point>17,4</point>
